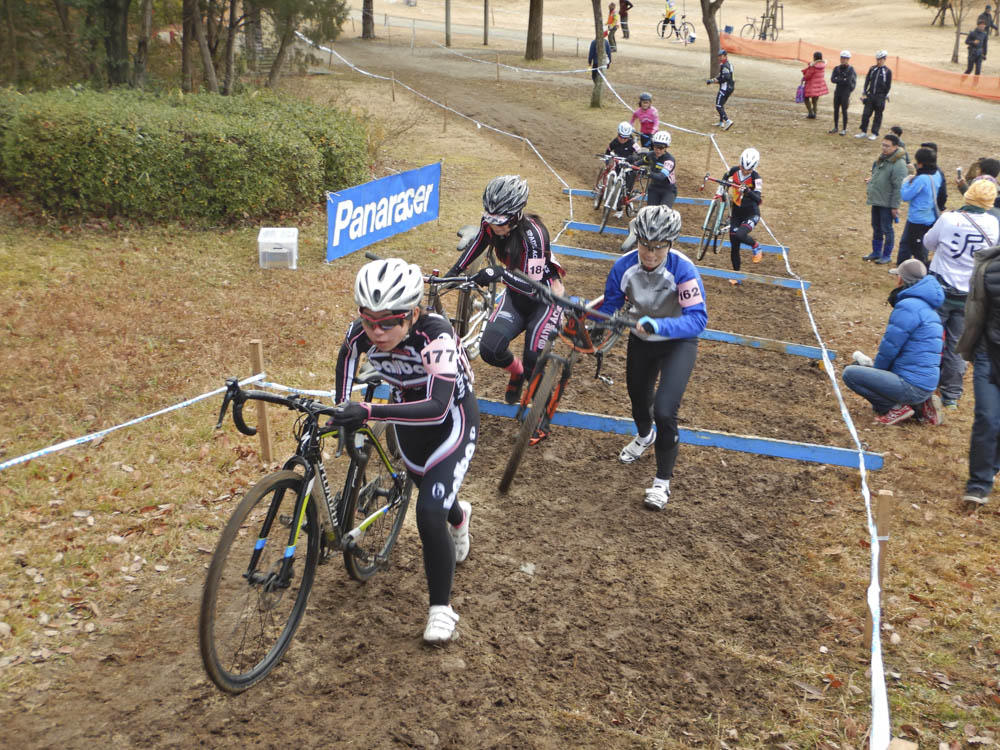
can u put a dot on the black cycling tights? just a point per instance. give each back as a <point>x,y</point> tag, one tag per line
<point>740,235</point>
<point>514,314</point>
<point>672,361</point>
<point>437,489</point>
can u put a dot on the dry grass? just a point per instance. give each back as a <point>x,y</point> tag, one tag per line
<point>103,323</point>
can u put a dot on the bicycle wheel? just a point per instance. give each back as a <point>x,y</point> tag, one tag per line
<point>661,27</point>
<point>248,614</point>
<point>610,204</point>
<point>749,31</point>
<point>373,488</point>
<point>772,33</point>
<point>687,31</point>
<point>709,228</point>
<point>599,186</point>
<point>539,402</point>
<point>722,226</point>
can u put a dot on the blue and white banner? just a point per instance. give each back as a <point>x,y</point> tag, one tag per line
<point>367,213</point>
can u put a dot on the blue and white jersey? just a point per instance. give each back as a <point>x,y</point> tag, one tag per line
<point>672,294</point>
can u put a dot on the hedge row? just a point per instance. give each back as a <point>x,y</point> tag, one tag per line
<point>203,156</point>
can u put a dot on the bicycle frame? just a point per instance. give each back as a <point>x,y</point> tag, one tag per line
<point>309,456</point>
<point>474,307</point>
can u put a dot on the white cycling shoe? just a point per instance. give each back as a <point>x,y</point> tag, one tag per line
<point>631,452</point>
<point>460,533</point>
<point>657,497</point>
<point>441,622</point>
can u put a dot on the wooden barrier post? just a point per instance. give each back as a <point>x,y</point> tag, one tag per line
<point>577,47</point>
<point>263,426</point>
<point>498,67</point>
<point>553,41</point>
<point>392,75</point>
<point>413,34</point>
<point>444,116</point>
<point>520,162</point>
<point>884,502</point>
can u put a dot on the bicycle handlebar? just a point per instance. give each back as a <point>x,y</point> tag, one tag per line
<point>239,397</point>
<point>581,309</point>
<point>726,183</point>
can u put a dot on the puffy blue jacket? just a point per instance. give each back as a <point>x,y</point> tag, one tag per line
<point>921,193</point>
<point>911,346</point>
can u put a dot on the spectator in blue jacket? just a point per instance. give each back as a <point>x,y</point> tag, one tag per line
<point>592,56</point>
<point>901,380</point>
<point>921,192</point>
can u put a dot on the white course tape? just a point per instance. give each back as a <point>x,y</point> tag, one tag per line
<point>513,67</point>
<point>95,435</point>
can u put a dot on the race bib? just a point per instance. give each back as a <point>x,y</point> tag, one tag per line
<point>536,268</point>
<point>689,293</point>
<point>440,358</point>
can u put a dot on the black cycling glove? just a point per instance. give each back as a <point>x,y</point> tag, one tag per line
<point>350,413</point>
<point>486,276</point>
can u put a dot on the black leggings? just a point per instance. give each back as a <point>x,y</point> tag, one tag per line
<point>840,101</point>
<point>661,196</point>
<point>672,361</point>
<point>873,109</point>
<point>740,234</point>
<point>720,104</point>
<point>514,314</point>
<point>437,458</point>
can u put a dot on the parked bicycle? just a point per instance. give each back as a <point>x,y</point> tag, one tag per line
<point>716,223</point>
<point>681,32</point>
<point>765,30</point>
<point>263,568</point>
<point>611,189</point>
<point>547,384</point>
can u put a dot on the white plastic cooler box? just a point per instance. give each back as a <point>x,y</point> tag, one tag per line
<point>278,247</point>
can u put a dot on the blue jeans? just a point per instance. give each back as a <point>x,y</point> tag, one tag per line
<point>882,388</point>
<point>984,443</point>
<point>883,236</point>
<point>952,314</point>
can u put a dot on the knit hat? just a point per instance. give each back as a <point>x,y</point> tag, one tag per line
<point>981,193</point>
<point>911,271</point>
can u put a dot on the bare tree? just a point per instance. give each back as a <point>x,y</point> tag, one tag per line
<point>964,6</point>
<point>709,10</point>
<point>595,95</point>
<point>533,47</point>
<point>367,19</point>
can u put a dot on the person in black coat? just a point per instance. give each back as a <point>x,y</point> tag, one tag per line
<point>592,56</point>
<point>844,79</point>
<point>976,41</point>
<point>875,94</point>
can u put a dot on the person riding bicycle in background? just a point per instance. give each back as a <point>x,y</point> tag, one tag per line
<point>648,117</point>
<point>434,410</point>
<point>663,289</point>
<point>662,187</point>
<point>746,199</point>
<point>521,243</point>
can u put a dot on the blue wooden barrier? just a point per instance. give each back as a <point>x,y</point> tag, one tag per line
<point>822,454</point>
<point>690,201</point>
<point>703,270</point>
<point>685,239</point>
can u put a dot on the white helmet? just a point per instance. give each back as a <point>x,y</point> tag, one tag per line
<point>625,129</point>
<point>390,284</point>
<point>881,54</point>
<point>656,224</point>
<point>846,53</point>
<point>661,138</point>
<point>749,159</point>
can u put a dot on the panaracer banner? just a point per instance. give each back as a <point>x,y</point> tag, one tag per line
<point>367,213</point>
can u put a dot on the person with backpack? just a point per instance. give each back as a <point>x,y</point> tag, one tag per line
<point>844,79</point>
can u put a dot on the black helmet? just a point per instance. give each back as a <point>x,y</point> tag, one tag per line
<point>504,198</point>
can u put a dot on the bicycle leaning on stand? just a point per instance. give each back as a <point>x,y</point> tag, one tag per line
<point>263,567</point>
<point>543,390</point>
<point>767,30</point>
<point>611,188</point>
<point>716,222</point>
<point>681,32</point>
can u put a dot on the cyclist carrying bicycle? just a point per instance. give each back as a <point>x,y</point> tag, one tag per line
<point>663,288</point>
<point>746,199</point>
<point>624,146</point>
<point>662,187</point>
<point>648,117</point>
<point>433,408</point>
<point>521,242</point>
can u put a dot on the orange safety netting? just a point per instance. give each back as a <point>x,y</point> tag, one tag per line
<point>984,87</point>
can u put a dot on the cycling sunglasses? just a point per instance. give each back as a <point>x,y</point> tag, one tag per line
<point>498,220</point>
<point>386,322</point>
<point>653,248</point>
